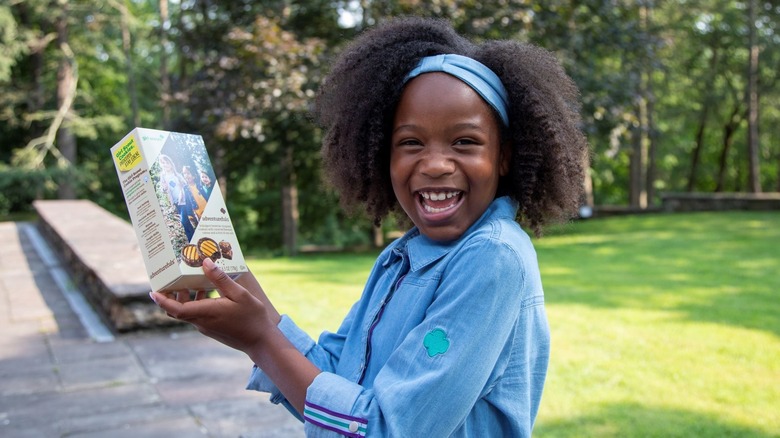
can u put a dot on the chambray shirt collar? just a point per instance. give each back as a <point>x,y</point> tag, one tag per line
<point>423,251</point>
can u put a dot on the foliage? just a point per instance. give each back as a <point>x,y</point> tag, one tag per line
<point>662,325</point>
<point>696,56</point>
<point>18,187</point>
<point>11,42</point>
<point>242,74</point>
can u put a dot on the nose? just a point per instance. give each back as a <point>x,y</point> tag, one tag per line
<point>436,163</point>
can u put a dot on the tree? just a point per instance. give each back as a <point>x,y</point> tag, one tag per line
<point>642,161</point>
<point>754,184</point>
<point>665,92</point>
<point>127,49</point>
<point>252,83</point>
<point>165,81</point>
<point>67,80</point>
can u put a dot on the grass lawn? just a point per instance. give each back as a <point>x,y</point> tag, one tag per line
<point>662,325</point>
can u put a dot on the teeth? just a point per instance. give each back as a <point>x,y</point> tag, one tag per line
<point>430,209</point>
<point>440,196</point>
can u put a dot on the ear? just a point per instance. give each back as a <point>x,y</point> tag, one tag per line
<point>504,158</point>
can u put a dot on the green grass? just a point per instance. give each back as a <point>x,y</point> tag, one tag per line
<point>315,290</point>
<point>662,325</point>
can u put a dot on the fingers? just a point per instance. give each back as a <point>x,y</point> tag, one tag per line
<point>224,284</point>
<point>171,306</point>
<point>183,306</point>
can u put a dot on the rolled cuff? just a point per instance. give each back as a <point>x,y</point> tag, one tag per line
<point>329,403</point>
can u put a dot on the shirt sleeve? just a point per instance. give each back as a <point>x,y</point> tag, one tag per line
<point>444,365</point>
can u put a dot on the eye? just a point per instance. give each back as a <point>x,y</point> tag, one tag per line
<point>465,141</point>
<point>466,144</point>
<point>408,142</point>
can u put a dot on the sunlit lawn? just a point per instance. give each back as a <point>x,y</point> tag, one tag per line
<point>663,325</point>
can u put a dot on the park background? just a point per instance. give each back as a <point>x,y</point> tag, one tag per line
<point>663,325</point>
<point>678,96</point>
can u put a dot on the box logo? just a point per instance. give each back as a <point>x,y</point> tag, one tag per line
<point>128,156</point>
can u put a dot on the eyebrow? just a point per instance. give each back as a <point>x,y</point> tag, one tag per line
<point>464,125</point>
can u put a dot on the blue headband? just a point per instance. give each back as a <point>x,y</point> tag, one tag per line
<point>475,74</point>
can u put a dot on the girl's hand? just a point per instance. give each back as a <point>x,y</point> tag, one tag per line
<point>238,318</point>
<point>243,318</point>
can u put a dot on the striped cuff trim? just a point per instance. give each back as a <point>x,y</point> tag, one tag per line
<point>340,423</point>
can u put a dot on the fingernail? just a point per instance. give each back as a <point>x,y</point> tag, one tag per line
<point>208,263</point>
<point>151,295</point>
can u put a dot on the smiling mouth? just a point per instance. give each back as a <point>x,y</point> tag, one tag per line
<point>439,201</point>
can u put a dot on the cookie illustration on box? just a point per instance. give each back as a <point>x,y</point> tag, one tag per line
<point>192,256</point>
<point>226,249</point>
<point>208,247</point>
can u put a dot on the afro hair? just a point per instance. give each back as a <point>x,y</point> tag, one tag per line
<point>356,105</point>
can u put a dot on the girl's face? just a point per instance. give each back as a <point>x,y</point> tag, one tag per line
<point>188,176</point>
<point>204,179</point>
<point>445,156</point>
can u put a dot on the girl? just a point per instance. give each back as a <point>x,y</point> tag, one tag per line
<point>450,336</point>
<point>197,195</point>
<point>174,186</point>
<point>206,185</point>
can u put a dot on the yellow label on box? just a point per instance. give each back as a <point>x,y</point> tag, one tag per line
<point>128,156</point>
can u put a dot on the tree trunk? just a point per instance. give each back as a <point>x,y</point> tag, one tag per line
<point>635,168</point>
<point>589,200</point>
<point>377,236</point>
<point>66,141</point>
<point>777,189</point>
<point>638,192</point>
<point>728,139</point>
<point>650,131</point>
<point>754,184</point>
<point>697,148</point>
<point>165,83</point>
<point>639,166</point>
<point>703,116</point>
<point>652,147</point>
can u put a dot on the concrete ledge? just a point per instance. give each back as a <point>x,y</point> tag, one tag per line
<point>678,202</point>
<point>102,254</point>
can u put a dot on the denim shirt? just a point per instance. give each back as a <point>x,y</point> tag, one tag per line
<point>448,339</point>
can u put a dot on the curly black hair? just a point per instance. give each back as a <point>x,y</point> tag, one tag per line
<point>356,105</point>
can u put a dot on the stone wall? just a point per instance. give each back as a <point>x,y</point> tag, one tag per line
<point>102,255</point>
<point>679,202</point>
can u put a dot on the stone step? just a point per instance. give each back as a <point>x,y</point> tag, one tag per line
<point>102,254</point>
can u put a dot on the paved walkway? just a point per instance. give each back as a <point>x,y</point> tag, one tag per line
<point>58,379</point>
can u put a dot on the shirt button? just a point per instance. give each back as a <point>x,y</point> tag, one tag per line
<point>353,426</point>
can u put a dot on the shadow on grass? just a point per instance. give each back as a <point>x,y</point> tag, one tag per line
<point>633,420</point>
<point>712,267</point>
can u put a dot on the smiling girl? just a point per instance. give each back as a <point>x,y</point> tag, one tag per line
<point>450,336</point>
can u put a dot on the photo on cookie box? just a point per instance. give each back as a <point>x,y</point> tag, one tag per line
<point>183,178</point>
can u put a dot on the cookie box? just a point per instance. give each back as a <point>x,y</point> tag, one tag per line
<point>176,208</point>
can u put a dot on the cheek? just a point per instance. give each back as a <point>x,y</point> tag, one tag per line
<point>394,176</point>
<point>398,169</point>
<point>489,168</point>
